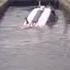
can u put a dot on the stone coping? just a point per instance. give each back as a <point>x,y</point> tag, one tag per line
<point>3,7</point>
<point>2,2</point>
<point>66,4</point>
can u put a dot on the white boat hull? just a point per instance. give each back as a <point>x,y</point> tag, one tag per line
<point>42,19</point>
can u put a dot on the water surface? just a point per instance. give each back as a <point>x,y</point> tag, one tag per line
<point>36,48</point>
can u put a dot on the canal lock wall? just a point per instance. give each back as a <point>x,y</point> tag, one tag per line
<point>64,5</point>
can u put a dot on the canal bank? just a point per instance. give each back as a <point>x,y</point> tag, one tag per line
<point>3,7</point>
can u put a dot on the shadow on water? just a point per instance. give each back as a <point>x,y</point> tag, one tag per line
<point>23,3</point>
<point>52,19</point>
<point>67,23</point>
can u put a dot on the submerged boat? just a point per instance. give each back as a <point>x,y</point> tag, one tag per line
<point>38,17</point>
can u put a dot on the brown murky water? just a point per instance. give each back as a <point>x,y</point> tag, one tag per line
<point>33,49</point>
